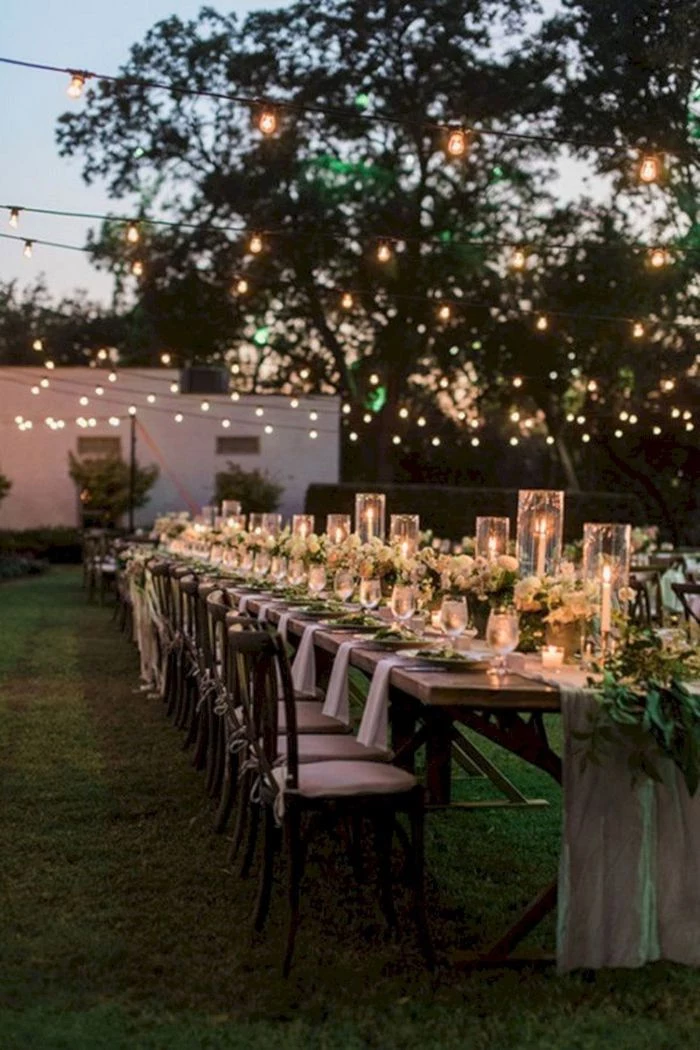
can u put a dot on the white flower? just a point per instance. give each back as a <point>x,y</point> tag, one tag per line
<point>506,562</point>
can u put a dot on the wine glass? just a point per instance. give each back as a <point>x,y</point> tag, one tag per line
<point>316,579</point>
<point>278,569</point>
<point>247,561</point>
<point>453,617</point>
<point>502,635</point>
<point>261,564</point>
<point>370,593</point>
<point>403,602</point>
<point>296,572</point>
<point>344,585</point>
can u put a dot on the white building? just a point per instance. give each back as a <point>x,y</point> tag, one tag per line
<point>45,414</point>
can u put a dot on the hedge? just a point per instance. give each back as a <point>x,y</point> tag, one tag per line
<point>60,544</point>
<point>13,565</point>
<point>451,512</point>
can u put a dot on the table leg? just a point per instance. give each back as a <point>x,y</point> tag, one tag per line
<point>438,778</point>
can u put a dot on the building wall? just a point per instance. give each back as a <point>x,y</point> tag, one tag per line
<point>36,459</point>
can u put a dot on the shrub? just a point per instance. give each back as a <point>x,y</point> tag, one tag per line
<point>451,512</point>
<point>5,486</point>
<point>103,484</point>
<point>59,544</point>
<point>254,489</point>
<point>12,566</point>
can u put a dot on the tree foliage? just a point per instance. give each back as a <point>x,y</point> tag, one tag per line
<point>5,486</point>
<point>328,185</point>
<point>254,489</point>
<point>104,486</point>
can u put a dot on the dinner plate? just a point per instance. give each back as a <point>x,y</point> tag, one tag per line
<point>356,628</point>
<point>452,663</point>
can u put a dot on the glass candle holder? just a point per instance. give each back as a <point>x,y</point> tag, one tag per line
<point>255,522</point>
<point>230,507</point>
<point>540,530</point>
<point>492,536</point>
<point>302,525</point>
<point>208,515</point>
<point>404,529</point>
<point>338,527</point>
<point>271,524</point>
<point>606,563</point>
<point>236,522</point>
<point>370,516</point>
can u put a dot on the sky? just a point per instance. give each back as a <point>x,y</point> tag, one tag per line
<point>78,34</point>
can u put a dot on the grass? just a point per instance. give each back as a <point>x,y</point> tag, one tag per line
<point>120,925</point>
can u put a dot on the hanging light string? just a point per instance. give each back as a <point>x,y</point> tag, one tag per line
<point>457,137</point>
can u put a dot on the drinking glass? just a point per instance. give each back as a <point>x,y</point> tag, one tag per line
<point>370,593</point>
<point>316,579</point>
<point>453,617</point>
<point>403,602</point>
<point>278,569</point>
<point>247,561</point>
<point>296,572</point>
<point>344,585</point>
<point>261,564</point>
<point>502,635</point>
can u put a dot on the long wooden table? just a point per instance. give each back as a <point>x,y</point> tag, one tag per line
<point>426,708</point>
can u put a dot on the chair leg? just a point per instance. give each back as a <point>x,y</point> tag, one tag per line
<point>383,820</point>
<point>239,827</point>
<point>228,792</point>
<point>295,854</point>
<point>253,825</point>
<point>212,750</point>
<point>417,818</point>
<point>262,905</point>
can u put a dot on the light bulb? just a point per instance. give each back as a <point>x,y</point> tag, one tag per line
<point>518,259</point>
<point>542,323</point>
<point>178,417</point>
<point>132,410</point>
<point>435,442</point>
<point>132,233</point>
<point>165,359</point>
<point>99,390</point>
<point>421,421</point>
<point>267,122</point>
<point>383,252</point>
<point>637,330</point>
<point>50,365</point>
<point>112,377</point>
<point>444,312</point>
<point>84,401</point>
<point>475,442</point>
<point>457,142</point>
<point>396,440</point>
<point>137,268</point>
<point>269,429</point>
<point>242,286</point>
<point>403,413</point>
<point>259,412</point>
<point>151,399</point>
<point>658,257</point>
<point>255,245</point>
<point>174,388</point>
<point>656,431</point>
<point>352,435</point>
<point>313,434</point>
<point>649,169</point>
<point>14,218</point>
<point>517,382</point>
<point>37,345</point>
<point>347,301</point>
<point>226,423</point>
<point>44,384</point>
<point>102,354</point>
<point>27,251</point>
<point>205,406</point>
<point>76,85</point>
<point>374,379</point>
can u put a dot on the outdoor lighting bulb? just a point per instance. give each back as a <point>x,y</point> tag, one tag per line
<point>657,431</point>
<point>346,301</point>
<point>99,390</point>
<point>383,252</point>
<point>132,410</point>
<point>255,245</point>
<point>267,122</point>
<point>396,440</point>
<point>658,257</point>
<point>178,417</point>
<point>517,382</point>
<point>347,409</point>
<point>50,365</point>
<point>675,413</point>
<point>352,435</point>
<point>444,313</point>
<point>549,439</point>
<point>514,441</point>
<point>242,286</point>
<point>112,377</point>
<point>668,385</point>
<point>515,416</point>
<point>268,429</point>
<point>151,399</point>
<point>475,442</point>
<point>687,415</point>
<point>367,418</point>
<point>585,438</point>
<point>132,233</point>
<point>457,142</point>
<point>137,268</point>
<point>174,388</point>
<point>102,355</point>
<point>84,401</point>
<point>435,441</point>
<point>37,345</point>
<point>27,251</point>
<point>76,85</point>
<point>304,374</point>
<point>313,434</point>
<point>14,218</point>
<point>35,390</point>
<point>294,403</point>
<point>165,359</point>
<point>649,169</point>
<point>313,416</point>
<point>204,406</point>
<point>518,259</point>
<point>226,423</point>
<point>421,421</point>
<point>259,412</point>
<point>403,413</point>
<point>374,379</point>
<point>542,323</point>
<point>638,330</point>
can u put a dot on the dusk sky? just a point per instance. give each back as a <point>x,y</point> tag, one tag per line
<point>82,34</point>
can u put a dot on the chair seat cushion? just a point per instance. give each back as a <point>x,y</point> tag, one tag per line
<point>310,719</point>
<point>314,747</point>
<point>336,779</point>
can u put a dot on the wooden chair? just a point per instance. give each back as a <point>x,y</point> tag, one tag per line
<point>686,592</point>
<point>289,792</point>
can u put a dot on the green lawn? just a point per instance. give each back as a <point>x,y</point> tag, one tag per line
<point>121,926</point>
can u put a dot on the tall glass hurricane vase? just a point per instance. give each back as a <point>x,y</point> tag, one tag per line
<point>540,531</point>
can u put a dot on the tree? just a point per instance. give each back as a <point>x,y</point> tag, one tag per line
<point>254,489</point>
<point>5,486</point>
<point>104,486</point>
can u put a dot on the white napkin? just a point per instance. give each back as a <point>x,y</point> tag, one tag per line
<point>304,665</point>
<point>373,731</point>
<point>337,704</point>
<point>243,602</point>
<point>283,624</point>
<point>263,611</point>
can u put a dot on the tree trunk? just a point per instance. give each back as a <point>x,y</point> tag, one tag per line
<point>649,487</point>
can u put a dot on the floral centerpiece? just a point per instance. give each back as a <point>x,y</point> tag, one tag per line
<point>645,539</point>
<point>555,609</point>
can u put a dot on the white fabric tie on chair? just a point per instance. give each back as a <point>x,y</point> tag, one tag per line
<point>373,731</point>
<point>263,611</point>
<point>304,666</point>
<point>337,704</point>
<point>283,624</point>
<point>243,602</point>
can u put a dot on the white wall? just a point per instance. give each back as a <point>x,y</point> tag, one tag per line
<point>36,460</point>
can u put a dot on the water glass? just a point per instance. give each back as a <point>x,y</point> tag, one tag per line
<point>502,635</point>
<point>296,572</point>
<point>453,617</point>
<point>370,593</point>
<point>344,585</point>
<point>278,569</point>
<point>316,580</point>
<point>261,564</point>
<point>403,602</point>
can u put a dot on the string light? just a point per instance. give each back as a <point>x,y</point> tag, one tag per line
<point>367,418</point>
<point>436,442</point>
<point>346,301</point>
<point>50,365</point>
<point>650,168</point>
<point>99,390</point>
<point>542,323</point>
<point>38,345</point>
<point>517,382</point>
<point>27,250</point>
<point>165,359</point>
<point>656,430</point>
<point>384,252</point>
<point>637,330</point>
<point>14,218</point>
<point>549,439</point>
<point>36,390</point>
<point>514,441</point>
<point>374,379</point>
<point>267,122</point>
<point>112,377</point>
<point>76,85</point>
<point>444,312</point>
<point>346,410</point>
<point>658,257</point>
<point>421,421</point>
<point>268,429</point>
<point>352,435</point>
<point>133,235</point>
<point>137,268</point>
<point>457,142</point>
<point>174,388</point>
<point>259,412</point>
<point>313,434</point>
<point>225,423</point>
<point>83,401</point>
<point>518,259</point>
<point>475,442</point>
<point>403,413</point>
<point>44,384</point>
<point>132,410</point>
<point>151,398</point>
<point>618,433</point>
<point>205,406</point>
<point>242,286</point>
<point>255,244</point>
<point>178,417</point>
<point>313,416</point>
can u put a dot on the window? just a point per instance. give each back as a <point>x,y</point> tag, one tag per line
<point>238,446</point>
<point>99,446</point>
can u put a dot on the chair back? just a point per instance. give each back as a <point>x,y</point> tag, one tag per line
<point>688,595</point>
